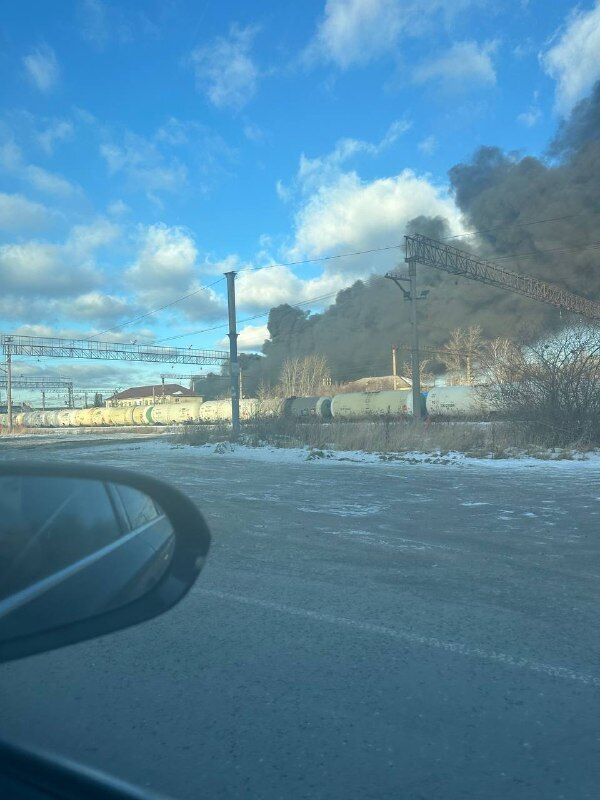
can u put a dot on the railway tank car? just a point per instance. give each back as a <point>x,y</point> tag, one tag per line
<point>306,407</point>
<point>457,401</point>
<point>358,405</point>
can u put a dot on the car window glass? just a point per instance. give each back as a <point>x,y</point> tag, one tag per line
<point>47,524</point>
<point>140,508</point>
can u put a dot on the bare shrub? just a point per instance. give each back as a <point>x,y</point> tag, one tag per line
<point>198,435</point>
<point>552,388</point>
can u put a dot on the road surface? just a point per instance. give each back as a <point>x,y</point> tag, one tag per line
<point>360,631</point>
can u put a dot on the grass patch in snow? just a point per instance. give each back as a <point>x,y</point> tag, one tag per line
<point>391,439</point>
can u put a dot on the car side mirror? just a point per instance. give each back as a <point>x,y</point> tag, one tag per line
<point>87,550</point>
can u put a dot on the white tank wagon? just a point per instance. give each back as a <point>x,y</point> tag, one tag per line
<point>251,408</point>
<point>358,405</point>
<point>457,401</point>
<point>305,407</point>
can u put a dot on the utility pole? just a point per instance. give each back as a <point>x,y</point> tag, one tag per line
<point>395,365</point>
<point>241,387</point>
<point>414,353</point>
<point>71,403</point>
<point>9,385</point>
<point>412,297</point>
<point>234,366</point>
<point>43,400</point>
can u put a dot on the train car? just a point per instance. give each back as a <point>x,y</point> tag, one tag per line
<point>161,414</point>
<point>357,405</point>
<point>141,415</point>
<point>457,401</point>
<point>33,419</point>
<point>45,419</point>
<point>118,415</point>
<point>215,411</point>
<point>95,416</point>
<point>305,407</point>
<point>185,412</point>
<point>323,407</point>
<point>83,418</point>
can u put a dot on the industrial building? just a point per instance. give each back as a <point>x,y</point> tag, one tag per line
<point>151,395</point>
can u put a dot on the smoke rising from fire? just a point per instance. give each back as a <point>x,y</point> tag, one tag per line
<point>500,194</point>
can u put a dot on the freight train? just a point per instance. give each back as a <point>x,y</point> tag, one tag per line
<point>441,401</point>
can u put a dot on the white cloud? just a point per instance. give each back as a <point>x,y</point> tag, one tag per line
<point>91,307</point>
<point>167,259</point>
<point>19,213</point>
<point>250,338</point>
<point>94,22</point>
<point>225,71</point>
<point>42,68</point>
<point>573,61</point>
<point>464,65</point>
<point>51,269</point>
<point>49,182</point>
<point>284,193</point>
<point>117,208</point>
<point>58,131</point>
<point>254,133</point>
<point>43,268</point>
<point>100,308</point>
<point>162,162</point>
<point>166,268</point>
<point>352,214</point>
<point>264,288</point>
<point>530,117</point>
<point>103,22</point>
<point>428,145</point>
<point>143,165</point>
<point>85,239</point>
<point>314,172</point>
<point>353,32</point>
<point>11,159</point>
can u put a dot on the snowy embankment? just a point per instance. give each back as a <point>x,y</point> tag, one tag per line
<point>551,459</point>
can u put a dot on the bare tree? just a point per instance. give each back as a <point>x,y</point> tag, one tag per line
<point>304,377</point>
<point>552,387</point>
<point>462,354</point>
<point>425,372</point>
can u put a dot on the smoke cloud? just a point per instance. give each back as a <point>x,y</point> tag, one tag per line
<point>500,195</point>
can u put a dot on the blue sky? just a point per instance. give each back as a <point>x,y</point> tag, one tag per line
<point>146,147</point>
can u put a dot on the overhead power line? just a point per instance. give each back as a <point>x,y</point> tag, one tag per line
<point>509,225</point>
<point>156,310</point>
<point>370,251</point>
<point>323,258</point>
<point>246,319</point>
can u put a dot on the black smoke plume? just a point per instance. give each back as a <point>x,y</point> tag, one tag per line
<point>499,194</point>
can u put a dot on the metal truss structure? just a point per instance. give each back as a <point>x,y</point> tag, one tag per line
<point>43,384</point>
<point>431,253</point>
<point>171,376</point>
<point>43,347</point>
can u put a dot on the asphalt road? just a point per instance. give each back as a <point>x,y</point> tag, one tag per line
<point>360,631</point>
